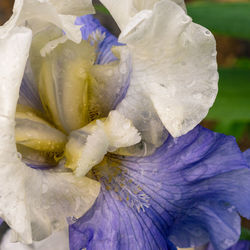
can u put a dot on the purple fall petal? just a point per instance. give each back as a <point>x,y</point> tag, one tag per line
<point>240,245</point>
<point>191,190</point>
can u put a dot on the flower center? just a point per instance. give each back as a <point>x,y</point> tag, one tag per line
<point>68,127</point>
<point>111,173</point>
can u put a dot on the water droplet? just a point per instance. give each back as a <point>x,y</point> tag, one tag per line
<point>197,96</point>
<point>195,172</point>
<point>45,188</point>
<point>207,33</point>
<point>19,155</point>
<point>123,69</point>
<point>228,242</point>
<point>185,19</point>
<point>191,84</point>
<point>214,53</point>
<point>55,224</point>
<point>126,125</point>
<point>231,209</point>
<point>46,206</point>
<point>109,72</point>
<point>78,203</point>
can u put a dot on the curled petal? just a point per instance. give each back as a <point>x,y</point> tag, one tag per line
<point>58,240</point>
<point>88,145</point>
<point>40,14</point>
<point>92,30</point>
<point>240,245</point>
<point>174,66</point>
<point>14,51</point>
<point>189,192</point>
<point>31,204</point>
<point>125,10</point>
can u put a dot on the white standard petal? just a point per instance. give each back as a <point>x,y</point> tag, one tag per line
<point>58,240</point>
<point>88,145</point>
<point>174,65</point>
<point>14,51</point>
<point>38,14</point>
<point>33,203</point>
<point>125,10</point>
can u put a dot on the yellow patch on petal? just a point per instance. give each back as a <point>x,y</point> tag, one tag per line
<point>34,132</point>
<point>64,78</point>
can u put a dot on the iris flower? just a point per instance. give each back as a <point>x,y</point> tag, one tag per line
<point>101,133</point>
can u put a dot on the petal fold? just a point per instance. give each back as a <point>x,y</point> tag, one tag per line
<point>40,14</point>
<point>58,240</point>
<point>125,10</point>
<point>31,202</point>
<point>174,63</point>
<point>189,192</point>
<point>87,146</point>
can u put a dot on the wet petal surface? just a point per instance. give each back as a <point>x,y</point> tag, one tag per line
<point>188,191</point>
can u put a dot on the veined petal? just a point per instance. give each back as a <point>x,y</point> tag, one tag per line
<point>247,156</point>
<point>125,10</point>
<point>87,146</point>
<point>14,49</point>
<point>31,204</point>
<point>64,80</point>
<point>174,66</point>
<point>92,30</point>
<point>112,83</point>
<point>189,191</point>
<point>240,245</point>
<point>40,14</point>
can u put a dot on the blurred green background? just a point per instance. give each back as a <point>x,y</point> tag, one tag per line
<point>229,20</point>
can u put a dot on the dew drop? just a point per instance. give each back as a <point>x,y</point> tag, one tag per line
<point>197,96</point>
<point>214,53</point>
<point>109,72</point>
<point>45,188</point>
<point>78,203</point>
<point>207,33</point>
<point>46,206</point>
<point>185,19</point>
<point>123,69</point>
<point>55,224</point>
<point>228,242</point>
<point>19,155</point>
<point>126,125</point>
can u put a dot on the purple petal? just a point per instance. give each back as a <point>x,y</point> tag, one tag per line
<point>189,191</point>
<point>28,95</point>
<point>91,25</point>
<point>240,245</point>
<point>117,84</point>
<point>247,156</point>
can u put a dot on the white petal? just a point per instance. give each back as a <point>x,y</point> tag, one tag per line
<point>14,51</point>
<point>112,81</point>
<point>136,106</point>
<point>33,203</point>
<point>174,65</point>
<point>88,145</point>
<point>126,9</point>
<point>41,13</point>
<point>58,240</point>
